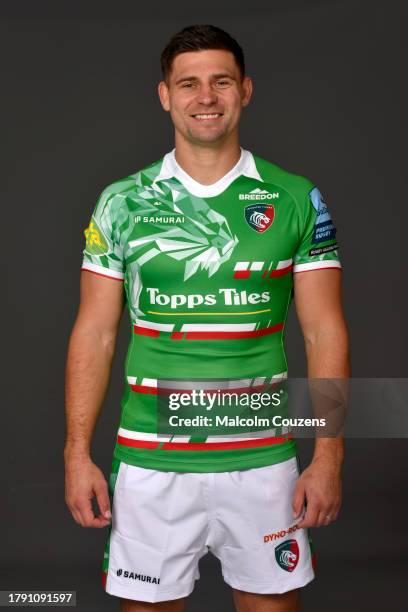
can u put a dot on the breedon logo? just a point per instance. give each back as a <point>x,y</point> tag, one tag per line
<point>260,216</point>
<point>259,194</point>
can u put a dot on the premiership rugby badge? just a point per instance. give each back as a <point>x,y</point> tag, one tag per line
<point>324,229</point>
<point>287,555</point>
<point>260,216</point>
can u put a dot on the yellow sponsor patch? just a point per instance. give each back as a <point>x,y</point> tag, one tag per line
<point>95,241</point>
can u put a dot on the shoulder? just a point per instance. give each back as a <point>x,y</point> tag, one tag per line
<point>132,182</point>
<point>113,196</point>
<point>296,185</point>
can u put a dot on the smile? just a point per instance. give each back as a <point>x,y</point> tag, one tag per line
<point>206,117</point>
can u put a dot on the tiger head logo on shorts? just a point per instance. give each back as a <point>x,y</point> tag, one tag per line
<point>287,555</point>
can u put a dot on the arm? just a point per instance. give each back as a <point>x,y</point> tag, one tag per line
<point>319,309</point>
<point>90,352</point>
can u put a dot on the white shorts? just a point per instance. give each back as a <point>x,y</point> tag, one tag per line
<point>164,522</point>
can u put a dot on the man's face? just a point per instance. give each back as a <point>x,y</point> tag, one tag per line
<point>205,95</point>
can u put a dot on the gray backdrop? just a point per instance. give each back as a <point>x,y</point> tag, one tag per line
<point>80,110</point>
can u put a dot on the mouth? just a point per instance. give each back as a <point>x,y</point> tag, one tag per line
<point>207,116</point>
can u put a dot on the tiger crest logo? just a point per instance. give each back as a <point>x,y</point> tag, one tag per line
<point>287,555</point>
<point>260,216</point>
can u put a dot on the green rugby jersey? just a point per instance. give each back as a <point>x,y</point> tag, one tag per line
<point>208,277</point>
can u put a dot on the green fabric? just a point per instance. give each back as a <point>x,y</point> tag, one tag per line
<point>111,488</point>
<point>178,254</point>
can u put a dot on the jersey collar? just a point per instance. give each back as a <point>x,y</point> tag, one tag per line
<point>170,168</point>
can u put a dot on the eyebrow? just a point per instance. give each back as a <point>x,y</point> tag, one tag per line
<point>220,75</point>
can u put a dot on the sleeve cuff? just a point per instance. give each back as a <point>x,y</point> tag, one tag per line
<point>102,271</point>
<point>316,265</point>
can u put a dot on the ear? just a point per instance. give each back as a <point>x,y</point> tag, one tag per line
<point>163,92</point>
<point>247,89</point>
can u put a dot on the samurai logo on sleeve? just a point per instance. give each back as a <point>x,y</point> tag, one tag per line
<point>95,242</point>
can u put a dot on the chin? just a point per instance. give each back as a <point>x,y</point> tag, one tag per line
<point>207,138</point>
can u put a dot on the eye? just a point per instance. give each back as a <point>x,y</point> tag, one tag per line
<point>222,83</point>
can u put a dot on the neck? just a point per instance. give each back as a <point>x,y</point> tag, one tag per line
<point>207,164</point>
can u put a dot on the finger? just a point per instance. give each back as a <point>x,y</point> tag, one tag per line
<point>326,516</point>
<point>323,519</point>
<point>333,513</point>
<point>87,520</point>
<point>102,497</point>
<point>310,518</point>
<point>99,522</point>
<point>73,508</point>
<point>84,508</point>
<point>84,516</point>
<point>298,499</point>
<point>76,516</point>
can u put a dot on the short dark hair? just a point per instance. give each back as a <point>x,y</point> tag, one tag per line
<point>200,38</point>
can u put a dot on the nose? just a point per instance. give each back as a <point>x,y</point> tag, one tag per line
<point>207,95</point>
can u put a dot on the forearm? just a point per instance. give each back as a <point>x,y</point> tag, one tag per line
<point>87,377</point>
<point>328,353</point>
<point>328,358</point>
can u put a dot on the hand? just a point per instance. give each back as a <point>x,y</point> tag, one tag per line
<point>320,485</point>
<point>83,480</point>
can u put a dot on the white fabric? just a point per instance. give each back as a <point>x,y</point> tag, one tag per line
<point>170,168</point>
<point>102,270</point>
<point>164,522</point>
<point>316,265</point>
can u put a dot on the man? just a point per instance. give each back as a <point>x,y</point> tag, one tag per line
<point>210,242</point>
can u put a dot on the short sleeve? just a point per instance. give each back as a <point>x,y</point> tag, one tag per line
<point>318,246</point>
<point>103,253</point>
